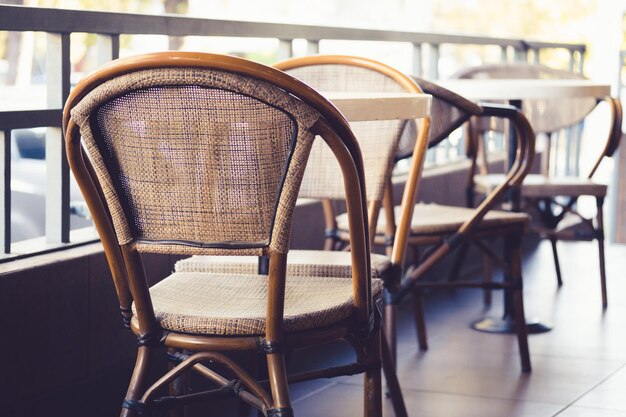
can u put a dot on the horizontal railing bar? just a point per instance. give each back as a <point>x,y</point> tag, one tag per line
<point>544,45</point>
<point>26,119</point>
<point>24,18</point>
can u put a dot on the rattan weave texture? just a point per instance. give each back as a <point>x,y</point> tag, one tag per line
<point>299,263</point>
<point>378,140</point>
<point>224,304</point>
<point>197,156</point>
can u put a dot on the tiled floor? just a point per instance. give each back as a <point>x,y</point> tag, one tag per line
<point>579,368</point>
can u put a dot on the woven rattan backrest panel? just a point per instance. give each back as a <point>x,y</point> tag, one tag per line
<point>544,115</point>
<point>448,112</point>
<point>196,161</point>
<point>378,140</point>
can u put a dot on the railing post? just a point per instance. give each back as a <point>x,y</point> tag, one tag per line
<point>312,47</point>
<point>417,60</point>
<point>108,47</point>
<point>57,170</point>
<point>434,62</point>
<point>504,56</point>
<point>521,54</point>
<point>285,49</point>
<point>5,191</point>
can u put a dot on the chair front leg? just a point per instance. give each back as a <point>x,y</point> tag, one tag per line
<point>599,233</point>
<point>513,255</point>
<point>132,406</point>
<point>277,373</point>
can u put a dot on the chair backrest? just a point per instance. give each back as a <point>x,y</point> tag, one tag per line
<point>549,115</point>
<point>378,140</point>
<point>449,111</point>
<point>191,153</point>
<point>545,115</point>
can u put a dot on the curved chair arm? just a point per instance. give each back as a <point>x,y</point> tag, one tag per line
<point>525,139</point>
<point>615,132</point>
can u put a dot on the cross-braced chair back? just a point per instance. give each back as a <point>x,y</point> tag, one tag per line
<point>194,161</point>
<point>545,115</point>
<point>378,140</point>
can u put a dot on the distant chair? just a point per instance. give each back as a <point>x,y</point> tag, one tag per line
<point>202,154</point>
<point>550,196</point>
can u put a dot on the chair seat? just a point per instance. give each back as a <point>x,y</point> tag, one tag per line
<point>439,219</point>
<point>235,305</point>
<point>315,263</point>
<point>537,186</point>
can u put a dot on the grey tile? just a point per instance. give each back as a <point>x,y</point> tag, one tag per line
<point>609,395</point>
<point>347,400</point>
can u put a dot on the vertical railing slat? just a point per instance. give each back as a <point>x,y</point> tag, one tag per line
<point>417,60</point>
<point>108,48</point>
<point>5,191</point>
<point>312,47</point>
<point>57,170</point>
<point>285,49</point>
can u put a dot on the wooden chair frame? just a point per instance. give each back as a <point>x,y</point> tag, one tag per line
<point>362,331</point>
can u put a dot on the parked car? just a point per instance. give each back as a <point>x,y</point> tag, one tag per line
<point>28,187</point>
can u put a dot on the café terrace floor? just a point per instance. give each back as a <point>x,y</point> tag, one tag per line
<point>579,368</point>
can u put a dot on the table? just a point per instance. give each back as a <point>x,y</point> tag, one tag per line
<point>522,89</point>
<point>514,91</point>
<point>368,106</point>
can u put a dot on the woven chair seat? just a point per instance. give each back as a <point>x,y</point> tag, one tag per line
<point>300,263</point>
<point>536,185</point>
<point>236,305</point>
<point>435,219</point>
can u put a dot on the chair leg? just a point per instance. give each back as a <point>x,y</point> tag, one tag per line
<point>179,386</point>
<point>137,386</point>
<point>278,383</point>
<point>557,265</point>
<point>395,393</point>
<point>420,323</point>
<point>600,238</point>
<point>372,384</point>
<point>458,262</point>
<point>513,253</point>
<point>390,330</point>
<point>488,277</point>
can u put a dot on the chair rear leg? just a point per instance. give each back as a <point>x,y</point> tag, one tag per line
<point>372,384</point>
<point>390,329</point>
<point>420,323</point>
<point>488,278</point>
<point>389,368</point>
<point>513,254</point>
<point>131,406</point>
<point>600,237</point>
<point>557,265</point>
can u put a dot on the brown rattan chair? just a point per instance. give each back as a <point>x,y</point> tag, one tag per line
<point>551,196</point>
<point>202,154</point>
<point>379,142</point>
<point>444,228</point>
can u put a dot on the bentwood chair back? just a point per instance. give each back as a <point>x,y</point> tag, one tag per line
<point>190,153</point>
<point>552,195</point>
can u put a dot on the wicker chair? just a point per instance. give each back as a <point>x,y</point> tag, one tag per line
<point>379,142</point>
<point>550,196</point>
<point>446,227</point>
<point>201,154</point>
